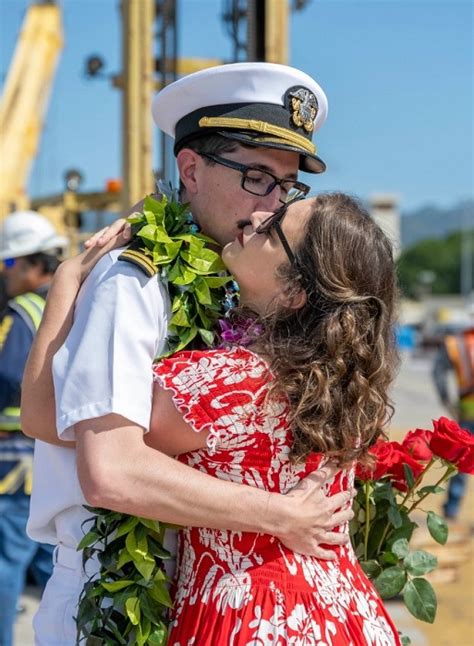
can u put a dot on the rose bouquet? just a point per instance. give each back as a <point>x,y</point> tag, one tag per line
<point>388,494</point>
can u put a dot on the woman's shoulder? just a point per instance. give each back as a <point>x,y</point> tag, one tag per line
<point>225,360</point>
<point>212,373</point>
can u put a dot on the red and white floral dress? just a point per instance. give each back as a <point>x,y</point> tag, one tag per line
<point>244,589</point>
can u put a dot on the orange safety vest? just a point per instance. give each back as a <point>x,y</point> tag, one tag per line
<point>460,349</point>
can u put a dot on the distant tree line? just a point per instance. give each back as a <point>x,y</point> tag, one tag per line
<point>434,265</point>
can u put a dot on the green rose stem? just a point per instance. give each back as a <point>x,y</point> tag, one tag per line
<point>448,473</point>
<point>417,482</point>
<point>451,470</point>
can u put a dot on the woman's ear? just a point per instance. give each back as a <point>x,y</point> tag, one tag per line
<point>295,300</point>
<point>299,299</point>
<point>187,161</point>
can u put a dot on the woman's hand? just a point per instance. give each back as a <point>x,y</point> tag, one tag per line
<point>119,227</point>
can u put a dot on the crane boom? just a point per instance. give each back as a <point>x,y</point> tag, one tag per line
<point>25,99</point>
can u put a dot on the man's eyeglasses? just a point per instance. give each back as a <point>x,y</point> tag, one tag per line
<point>261,182</point>
<point>274,222</point>
<point>9,262</point>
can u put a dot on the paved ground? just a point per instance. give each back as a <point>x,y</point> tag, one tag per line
<point>454,626</point>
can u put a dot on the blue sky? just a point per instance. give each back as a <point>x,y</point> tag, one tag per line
<point>398,75</point>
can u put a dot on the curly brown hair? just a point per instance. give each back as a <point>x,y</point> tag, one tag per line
<point>335,357</point>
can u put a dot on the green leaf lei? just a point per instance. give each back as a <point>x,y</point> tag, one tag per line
<point>129,601</point>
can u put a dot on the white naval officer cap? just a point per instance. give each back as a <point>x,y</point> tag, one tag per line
<point>259,104</point>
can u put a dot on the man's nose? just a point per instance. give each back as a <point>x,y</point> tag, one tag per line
<point>270,202</point>
<point>257,217</point>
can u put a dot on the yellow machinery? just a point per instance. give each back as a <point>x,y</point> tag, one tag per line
<point>24,101</point>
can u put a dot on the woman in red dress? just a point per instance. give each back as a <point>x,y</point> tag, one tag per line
<point>310,386</point>
<point>307,387</point>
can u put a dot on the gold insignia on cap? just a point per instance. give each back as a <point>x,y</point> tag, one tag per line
<point>304,108</point>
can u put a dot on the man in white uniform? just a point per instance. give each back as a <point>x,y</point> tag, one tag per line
<point>242,131</point>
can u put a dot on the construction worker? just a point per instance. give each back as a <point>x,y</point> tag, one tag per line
<point>29,250</point>
<point>457,355</point>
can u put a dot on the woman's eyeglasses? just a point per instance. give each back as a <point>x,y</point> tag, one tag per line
<point>274,223</point>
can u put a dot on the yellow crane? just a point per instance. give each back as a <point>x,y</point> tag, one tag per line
<point>25,99</point>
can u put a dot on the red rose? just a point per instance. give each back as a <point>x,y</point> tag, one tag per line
<point>416,443</point>
<point>454,444</point>
<point>390,458</point>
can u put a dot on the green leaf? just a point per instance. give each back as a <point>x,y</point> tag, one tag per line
<point>151,232</point>
<point>117,585</point>
<point>198,265</point>
<point>154,525</point>
<point>420,562</point>
<point>129,522</point>
<point>150,609</point>
<point>377,530</point>
<point>89,539</point>
<point>409,476</point>
<point>388,558</point>
<point>383,491</point>
<point>405,531</point>
<point>144,629</point>
<point>158,636</point>
<point>160,575</point>
<point>214,282</point>
<point>420,599</point>
<point>394,516</point>
<point>400,548</point>
<point>132,607</point>
<point>207,336</point>
<point>145,566</point>
<point>160,593</point>
<point>134,548</point>
<point>181,318</point>
<point>185,339</point>
<point>187,276</point>
<point>371,568</point>
<point>123,559</point>
<point>406,641</point>
<point>437,527</point>
<point>430,489</point>
<point>202,291</point>
<point>390,582</point>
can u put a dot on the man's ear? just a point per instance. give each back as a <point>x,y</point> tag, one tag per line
<point>187,161</point>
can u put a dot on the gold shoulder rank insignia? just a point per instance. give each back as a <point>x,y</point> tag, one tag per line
<point>138,257</point>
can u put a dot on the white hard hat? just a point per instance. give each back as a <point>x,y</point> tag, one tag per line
<point>25,232</point>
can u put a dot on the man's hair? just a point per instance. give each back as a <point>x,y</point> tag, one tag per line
<point>335,358</point>
<point>46,261</point>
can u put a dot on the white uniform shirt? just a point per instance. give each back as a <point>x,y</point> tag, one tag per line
<point>120,326</point>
